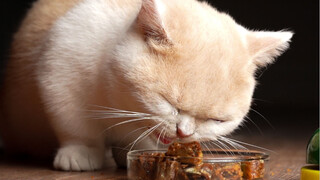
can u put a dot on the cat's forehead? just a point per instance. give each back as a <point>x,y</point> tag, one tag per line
<point>199,26</point>
<point>198,87</point>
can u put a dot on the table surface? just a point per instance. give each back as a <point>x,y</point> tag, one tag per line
<point>286,160</point>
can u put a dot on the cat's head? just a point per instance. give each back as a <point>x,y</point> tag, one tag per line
<point>194,67</point>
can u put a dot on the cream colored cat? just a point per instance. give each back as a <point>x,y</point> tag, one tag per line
<point>187,68</point>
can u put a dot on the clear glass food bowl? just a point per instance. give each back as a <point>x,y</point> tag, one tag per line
<point>214,165</point>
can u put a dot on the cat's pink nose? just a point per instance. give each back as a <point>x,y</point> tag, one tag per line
<point>182,134</point>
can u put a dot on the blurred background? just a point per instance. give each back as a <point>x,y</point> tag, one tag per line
<point>286,101</point>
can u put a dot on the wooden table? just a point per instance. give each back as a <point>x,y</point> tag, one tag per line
<point>285,162</point>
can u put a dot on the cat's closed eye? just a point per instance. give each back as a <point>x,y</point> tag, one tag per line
<point>216,120</point>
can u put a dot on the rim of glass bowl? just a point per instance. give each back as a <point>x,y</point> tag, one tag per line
<point>210,156</point>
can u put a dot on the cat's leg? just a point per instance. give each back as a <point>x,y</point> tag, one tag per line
<point>81,145</point>
<point>80,148</point>
<point>76,157</point>
<point>65,97</point>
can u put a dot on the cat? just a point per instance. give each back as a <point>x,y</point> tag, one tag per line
<point>86,75</point>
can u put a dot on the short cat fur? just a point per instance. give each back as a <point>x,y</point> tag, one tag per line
<point>181,61</point>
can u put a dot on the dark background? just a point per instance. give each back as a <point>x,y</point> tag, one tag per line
<point>288,91</point>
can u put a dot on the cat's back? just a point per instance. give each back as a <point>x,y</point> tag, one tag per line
<point>48,24</point>
<point>29,39</point>
<point>37,22</point>
<point>22,120</point>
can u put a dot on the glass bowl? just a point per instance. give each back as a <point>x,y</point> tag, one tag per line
<point>214,165</point>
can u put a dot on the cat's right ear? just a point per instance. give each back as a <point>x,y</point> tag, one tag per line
<point>150,22</point>
<point>265,46</point>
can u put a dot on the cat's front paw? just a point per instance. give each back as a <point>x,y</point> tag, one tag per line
<point>79,158</point>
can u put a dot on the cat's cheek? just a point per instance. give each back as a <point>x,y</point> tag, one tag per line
<point>226,128</point>
<point>211,129</point>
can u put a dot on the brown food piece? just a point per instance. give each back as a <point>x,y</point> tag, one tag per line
<point>146,167</point>
<point>196,176</point>
<point>167,170</point>
<point>192,149</point>
<point>196,172</point>
<point>207,170</point>
<point>230,171</point>
<point>253,169</point>
<point>182,175</point>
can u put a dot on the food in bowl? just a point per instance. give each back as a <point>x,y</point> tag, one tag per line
<point>186,161</point>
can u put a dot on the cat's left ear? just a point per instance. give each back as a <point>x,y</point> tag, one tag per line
<point>265,46</point>
<point>150,22</point>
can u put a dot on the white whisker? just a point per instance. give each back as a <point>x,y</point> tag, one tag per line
<point>225,147</point>
<point>263,118</point>
<point>159,137</point>
<point>255,146</point>
<point>212,146</point>
<point>213,142</point>
<point>105,114</point>
<point>125,122</point>
<point>131,133</point>
<point>144,135</point>
<point>233,144</point>
<point>111,111</point>
<point>207,148</point>
<point>255,124</point>
<point>117,110</point>
<point>114,116</point>
<point>244,124</point>
<point>140,138</point>
<point>165,131</point>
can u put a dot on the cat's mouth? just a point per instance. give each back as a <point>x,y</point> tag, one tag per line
<point>163,139</point>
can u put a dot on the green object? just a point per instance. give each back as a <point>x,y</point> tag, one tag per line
<point>313,149</point>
